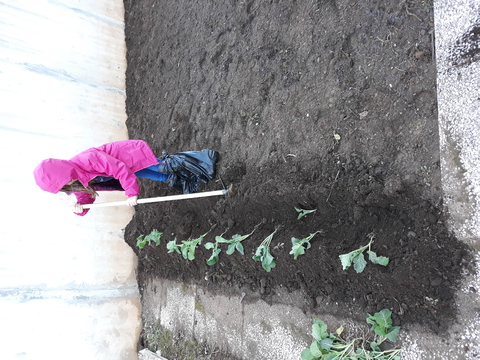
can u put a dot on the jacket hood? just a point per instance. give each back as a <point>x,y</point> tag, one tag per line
<point>52,174</point>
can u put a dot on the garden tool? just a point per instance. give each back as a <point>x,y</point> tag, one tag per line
<point>159,199</point>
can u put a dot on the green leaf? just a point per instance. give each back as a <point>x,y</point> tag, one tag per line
<point>346,260</point>
<point>220,239</point>
<point>259,253</point>
<point>326,344</point>
<point>269,266</point>
<point>393,334</point>
<point>184,248</point>
<point>238,238</point>
<point>303,212</point>
<point>353,257</point>
<point>381,322</point>
<point>191,252</point>
<point>315,349</point>
<point>374,346</point>
<point>172,246</point>
<point>300,245</point>
<point>307,355</point>
<point>155,236</point>
<point>384,318</point>
<point>141,242</point>
<point>296,241</point>
<point>214,258</point>
<point>332,356</point>
<point>263,253</point>
<point>239,248</point>
<point>359,263</point>
<point>209,245</point>
<point>319,330</point>
<point>297,250</point>
<point>380,260</point>
<point>267,257</point>
<point>231,248</point>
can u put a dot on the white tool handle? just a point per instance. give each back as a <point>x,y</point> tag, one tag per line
<point>159,199</point>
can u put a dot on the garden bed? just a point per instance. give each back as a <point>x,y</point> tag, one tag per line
<point>319,105</point>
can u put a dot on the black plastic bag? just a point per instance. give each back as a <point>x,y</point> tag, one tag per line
<point>187,169</point>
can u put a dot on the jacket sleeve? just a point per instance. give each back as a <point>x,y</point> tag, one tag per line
<point>106,164</point>
<point>83,198</point>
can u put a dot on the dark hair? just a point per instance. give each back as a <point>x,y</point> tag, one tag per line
<point>78,186</point>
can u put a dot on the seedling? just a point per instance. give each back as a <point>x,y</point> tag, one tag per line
<point>213,259</point>
<point>154,236</point>
<point>300,245</point>
<point>382,325</point>
<point>357,258</point>
<point>303,212</point>
<point>172,246</point>
<point>186,248</point>
<point>235,243</point>
<point>329,346</point>
<point>263,253</point>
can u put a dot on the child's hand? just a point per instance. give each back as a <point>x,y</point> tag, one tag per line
<point>132,200</point>
<point>78,208</point>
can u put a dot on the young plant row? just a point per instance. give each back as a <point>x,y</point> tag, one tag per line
<point>328,346</point>
<point>262,253</point>
<point>187,248</point>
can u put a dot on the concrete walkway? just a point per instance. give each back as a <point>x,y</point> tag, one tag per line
<point>253,329</point>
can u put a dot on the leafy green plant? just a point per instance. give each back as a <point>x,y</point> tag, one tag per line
<point>328,346</point>
<point>235,243</point>
<point>382,325</point>
<point>300,245</point>
<point>186,248</point>
<point>154,236</point>
<point>357,258</point>
<point>303,212</point>
<point>263,255</point>
<point>213,259</point>
<point>172,246</point>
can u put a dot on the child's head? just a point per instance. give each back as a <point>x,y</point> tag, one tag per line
<point>75,186</point>
<point>53,174</point>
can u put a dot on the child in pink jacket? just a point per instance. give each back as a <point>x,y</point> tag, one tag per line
<point>113,166</point>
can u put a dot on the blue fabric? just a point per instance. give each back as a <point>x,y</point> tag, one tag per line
<point>152,173</point>
<point>100,179</point>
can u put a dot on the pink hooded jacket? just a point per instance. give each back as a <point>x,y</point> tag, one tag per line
<point>120,159</point>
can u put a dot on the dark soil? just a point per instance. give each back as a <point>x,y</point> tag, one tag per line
<point>326,105</point>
